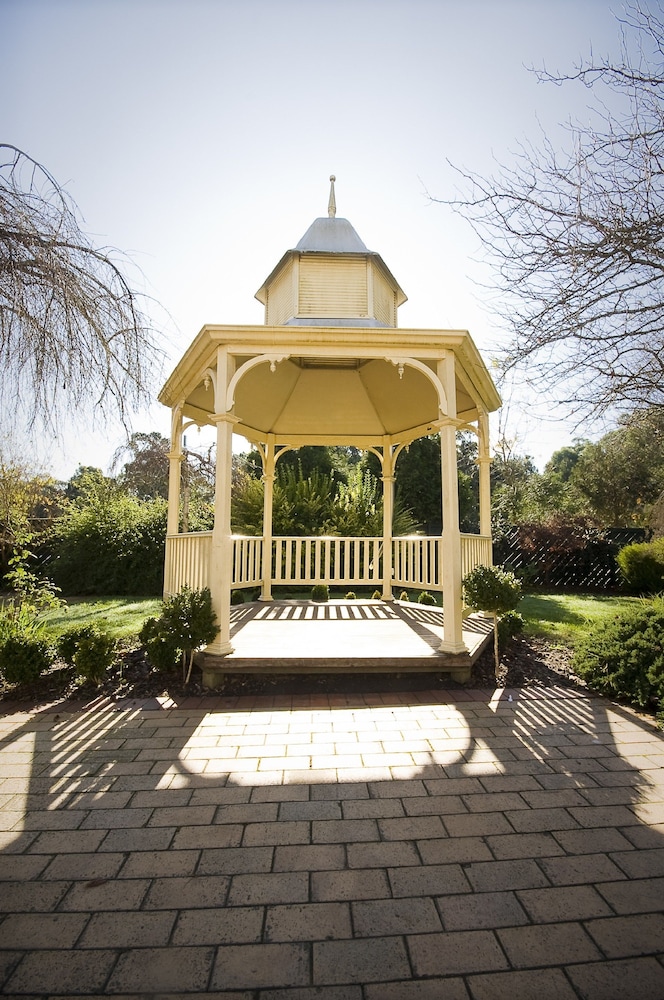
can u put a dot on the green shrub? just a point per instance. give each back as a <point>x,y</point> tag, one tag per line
<point>377,596</point>
<point>88,648</point>
<point>186,623</point>
<point>23,660</point>
<point>67,642</point>
<point>320,592</point>
<point>426,598</point>
<point>109,543</point>
<point>509,625</point>
<point>403,596</point>
<point>159,644</point>
<point>25,653</point>
<point>237,597</point>
<point>642,566</point>
<point>623,657</point>
<point>351,596</point>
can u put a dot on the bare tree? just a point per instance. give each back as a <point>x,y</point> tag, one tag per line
<point>72,336</point>
<point>577,238</point>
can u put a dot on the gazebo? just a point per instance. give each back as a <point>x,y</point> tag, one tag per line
<point>329,366</point>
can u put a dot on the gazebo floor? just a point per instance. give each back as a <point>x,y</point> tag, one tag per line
<point>302,637</point>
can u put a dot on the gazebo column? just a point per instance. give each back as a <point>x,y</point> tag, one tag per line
<point>451,540</point>
<point>484,465</point>
<point>175,458</point>
<point>221,556</point>
<point>388,516</point>
<point>269,464</point>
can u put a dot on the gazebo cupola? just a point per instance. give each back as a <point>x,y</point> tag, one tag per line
<point>331,279</point>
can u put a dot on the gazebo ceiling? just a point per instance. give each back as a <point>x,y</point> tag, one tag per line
<point>315,385</point>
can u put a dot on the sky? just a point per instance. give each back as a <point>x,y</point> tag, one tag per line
<point>198,136</point>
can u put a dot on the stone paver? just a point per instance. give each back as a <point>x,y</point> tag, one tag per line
<point>446,844</point>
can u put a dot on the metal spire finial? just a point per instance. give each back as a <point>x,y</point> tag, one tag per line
<point>332,203</point>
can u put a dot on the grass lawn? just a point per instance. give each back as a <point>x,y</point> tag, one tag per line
<point>560,618</point>
<point>122,616</point>
<point>564,618</point>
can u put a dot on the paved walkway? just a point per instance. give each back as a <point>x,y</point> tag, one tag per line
<point>442,845</point>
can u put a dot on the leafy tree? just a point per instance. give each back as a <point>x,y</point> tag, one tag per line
<point>576,236</point>
<point>146,476</point>
<point>418,482</point>
<point>511,476</point>
<point>622,475</point>
<point>563,461</point>
<point>309,461</point>
<point>29,501</point>
<point>72,335</point>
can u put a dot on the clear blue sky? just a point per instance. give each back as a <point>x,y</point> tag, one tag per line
<point>199,135</point>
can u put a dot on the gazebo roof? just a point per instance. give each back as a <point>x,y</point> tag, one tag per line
<point>331,235</point>
<point>334,239</point>
<point>330,365</point>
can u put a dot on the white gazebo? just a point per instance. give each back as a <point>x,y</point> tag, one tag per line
<point>329,366</point>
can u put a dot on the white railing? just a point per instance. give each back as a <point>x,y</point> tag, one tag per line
<point>187,561</point>
<point>476,550</point>
<point>417,560</point>
<point>247,561</point>
<point>331,560</point>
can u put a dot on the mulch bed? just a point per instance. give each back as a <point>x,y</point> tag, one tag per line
<point>525,662</point>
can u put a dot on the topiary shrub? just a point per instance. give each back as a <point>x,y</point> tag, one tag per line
<point>320,592</point>
<point>89,649</point>
<point>642,566</point>
<point>403,596</point>
<point>624,656</point>
<point>186,623</point>
<point>351,596</point>
<point>23,660</point>
<point>377,596</point>
<point>492,589</point>
<point>426,598</point>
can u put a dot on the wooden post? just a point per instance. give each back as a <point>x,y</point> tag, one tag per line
<point>484,464</point>
<point>451,540</point>
<point>221,559</point>
<point>269,464</point>
<point>388,517</point>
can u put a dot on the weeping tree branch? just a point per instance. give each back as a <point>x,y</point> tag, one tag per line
<point>576,238</point>
<point>72,335</point>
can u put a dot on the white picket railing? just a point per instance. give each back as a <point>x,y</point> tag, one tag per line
<point>476,550</point>
<point>417,562</point>
<point>331,560</point>
<point>340,561</point>
<point>187,561</point>
<point>247,561</point>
